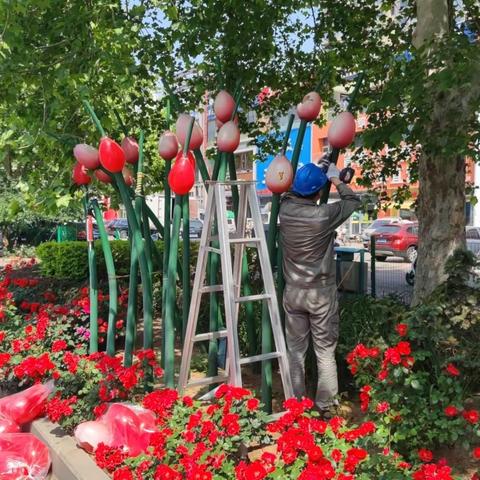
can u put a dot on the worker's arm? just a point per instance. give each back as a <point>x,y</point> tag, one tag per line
<point>338,212</point>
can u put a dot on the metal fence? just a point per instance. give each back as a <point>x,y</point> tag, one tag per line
<point>359,272</point>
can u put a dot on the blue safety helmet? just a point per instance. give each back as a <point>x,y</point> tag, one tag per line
<point>309,179</point>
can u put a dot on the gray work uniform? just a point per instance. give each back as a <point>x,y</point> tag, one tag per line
<point>307,232</point>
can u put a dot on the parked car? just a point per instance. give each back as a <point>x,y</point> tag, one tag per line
<point>196,227</point>
<point>396,240</point>
<point>117,228</point>
<point>376,224</point>
<point>473,239</point>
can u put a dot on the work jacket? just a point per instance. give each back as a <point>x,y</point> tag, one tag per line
<point>307,233</point>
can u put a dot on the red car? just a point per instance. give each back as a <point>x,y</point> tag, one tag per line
<point>397,240</point>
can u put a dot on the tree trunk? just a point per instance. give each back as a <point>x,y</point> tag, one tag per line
<point>441,213</point>
<point>441,207</point>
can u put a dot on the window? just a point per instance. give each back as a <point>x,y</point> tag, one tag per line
<point>398,177</point>
<point>244,160</point>
<point>473,234</point>
<point>387,229</point>
<point>412,230</point>
<point>326,146</point>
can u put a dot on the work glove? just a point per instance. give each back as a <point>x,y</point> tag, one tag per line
<point>324,162</point>
<point>332,172</point>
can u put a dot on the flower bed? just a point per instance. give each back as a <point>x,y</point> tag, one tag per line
<point>410,408</point>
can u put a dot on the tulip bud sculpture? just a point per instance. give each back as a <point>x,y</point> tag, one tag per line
<point>342,132</point>
<point>181,179</point>
<point>228,139</point>
<point>167,149</point>
<point>112,160</point>
<point>85,154</point>
<point>280,177</point>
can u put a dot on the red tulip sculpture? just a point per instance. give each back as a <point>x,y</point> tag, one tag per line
<point>168,145</point>
<point>182,127</point>
<point>86,155</point>
<point>342,130</point>
<point>310,107</point>
<point>228,137</point>
<point>79,175</point>
<point>127,176</point>
<point>102,176</point>
<point>182,175</point>
<point>112,156</point>
<point>279,175</point>
<point>224,106</point>
<point>130,148</point>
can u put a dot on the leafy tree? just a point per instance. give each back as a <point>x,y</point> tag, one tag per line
<point>421,63</point>
<point>53,54</point>
<point>422,93</point>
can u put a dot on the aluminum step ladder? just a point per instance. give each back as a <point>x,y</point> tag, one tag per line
<point>216,212</point>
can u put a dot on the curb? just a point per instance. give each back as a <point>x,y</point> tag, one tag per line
<point>68,461</point>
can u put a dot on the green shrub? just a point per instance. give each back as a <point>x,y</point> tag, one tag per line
<point>364,319</point>
<point>69,260</point>
<point>64,260</point>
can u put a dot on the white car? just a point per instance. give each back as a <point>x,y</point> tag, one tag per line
<point>473,239</point>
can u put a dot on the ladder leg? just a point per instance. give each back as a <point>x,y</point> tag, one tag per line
<point>239,247</point>
<point>235,376</point>
<point>267,274</point>
<point>196,294</point>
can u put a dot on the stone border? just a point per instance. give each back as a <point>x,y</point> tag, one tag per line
<point>69,462</point>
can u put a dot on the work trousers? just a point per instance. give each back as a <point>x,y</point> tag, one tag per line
<point>313,310</point>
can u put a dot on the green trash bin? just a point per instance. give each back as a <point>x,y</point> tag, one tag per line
<point>66,233</point>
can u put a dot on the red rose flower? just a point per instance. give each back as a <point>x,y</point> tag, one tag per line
<point>402,329</point>
<point>471,416</point>
<point>451,411</point>
<point>452,370</point>
<point>336,455</point>
<point>382,407</point>
<point>252,404</point>
<point>476,453</point>
<point>59,345</point>
<point>403,348</point>
<point>425,455</point>
<point>123,474</point>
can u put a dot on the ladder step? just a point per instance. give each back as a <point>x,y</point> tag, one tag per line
<point>211,288</point>
<point>252,298</point>
<point>208,381</point>
<point>259,358</point>
<point>245,240</point>
<point>210,336</point>
<point>213,250</point>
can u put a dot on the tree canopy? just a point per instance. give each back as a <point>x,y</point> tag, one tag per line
<point>421,62</point>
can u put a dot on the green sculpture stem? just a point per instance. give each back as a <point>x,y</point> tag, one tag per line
<point>215,316</point>
<point>247,289</point>
<point>169,330</point>
<point>95,119</point>
<point>166,253</point>
<point>112,279</point>
<point>171,281</point>
<point>266,388</point>
<point>202,167</point>
<point>186,263</point>
<point>138,246</point>
<point>93,284</point>
<point>131,326</point>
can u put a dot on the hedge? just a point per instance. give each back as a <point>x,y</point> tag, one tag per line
<point>69,260</point>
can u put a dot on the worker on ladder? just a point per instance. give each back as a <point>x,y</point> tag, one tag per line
<point>307,232</point>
